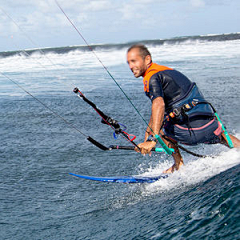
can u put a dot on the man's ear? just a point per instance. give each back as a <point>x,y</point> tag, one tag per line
<point>148,59</point>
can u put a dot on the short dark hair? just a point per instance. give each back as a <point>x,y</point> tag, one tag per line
<point>143,51</point>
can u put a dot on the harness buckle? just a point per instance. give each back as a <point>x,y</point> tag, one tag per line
<point>176,112</point>
<point>195,102</point>
<point>187,107</point>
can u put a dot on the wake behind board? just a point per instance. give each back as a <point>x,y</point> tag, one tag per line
<point>123,179</point>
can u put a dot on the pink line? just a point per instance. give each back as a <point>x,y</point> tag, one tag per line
<point>204,126</point>
<point>219,130</point>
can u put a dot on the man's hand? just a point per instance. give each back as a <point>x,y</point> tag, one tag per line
<point>146,147</point>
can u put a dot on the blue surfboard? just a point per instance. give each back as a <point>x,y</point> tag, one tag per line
<point>123,179</point>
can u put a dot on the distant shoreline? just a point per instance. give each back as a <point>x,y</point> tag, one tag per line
<point>155,42</point>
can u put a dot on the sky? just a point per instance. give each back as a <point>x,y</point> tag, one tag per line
<point>28,24</point>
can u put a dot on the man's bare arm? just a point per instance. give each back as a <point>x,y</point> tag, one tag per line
<point>158,109</point>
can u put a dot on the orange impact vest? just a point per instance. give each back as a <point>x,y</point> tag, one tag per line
<point>154,68</point>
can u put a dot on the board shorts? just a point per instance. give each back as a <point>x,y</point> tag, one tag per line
<point>200,131</point>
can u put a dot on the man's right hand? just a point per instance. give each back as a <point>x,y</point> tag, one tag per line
<point>146,147</point>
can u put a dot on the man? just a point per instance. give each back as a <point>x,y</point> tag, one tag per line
<point>179,111</point>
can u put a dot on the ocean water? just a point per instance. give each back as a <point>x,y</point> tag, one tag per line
<point>38,150</point>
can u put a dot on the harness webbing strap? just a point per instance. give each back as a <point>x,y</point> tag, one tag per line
<point>184,149</point>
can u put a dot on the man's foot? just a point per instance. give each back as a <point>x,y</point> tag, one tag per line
<point>173,168</point>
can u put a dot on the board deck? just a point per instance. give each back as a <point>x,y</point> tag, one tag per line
<point>123,179</point>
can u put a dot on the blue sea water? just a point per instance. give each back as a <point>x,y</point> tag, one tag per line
<point>38,150</point>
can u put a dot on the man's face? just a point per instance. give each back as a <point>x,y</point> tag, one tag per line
<point>136,63</point>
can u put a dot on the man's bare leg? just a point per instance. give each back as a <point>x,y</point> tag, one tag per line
<point>178,161</point>
<point>235,141</point>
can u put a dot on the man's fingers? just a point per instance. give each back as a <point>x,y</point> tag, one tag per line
<point>145,148</point>
<point>137,149</point>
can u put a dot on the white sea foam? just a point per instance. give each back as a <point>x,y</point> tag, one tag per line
<point>196,50</point>
<point>192,172</point>
<point>112,57</point>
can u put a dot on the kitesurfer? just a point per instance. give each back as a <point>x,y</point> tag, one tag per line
<point>179,110</point>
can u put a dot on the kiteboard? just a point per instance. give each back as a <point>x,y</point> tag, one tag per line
<point>123,179</point>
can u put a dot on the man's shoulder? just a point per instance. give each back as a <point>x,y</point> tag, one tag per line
<point>159,68</point>
<point>155,68</point>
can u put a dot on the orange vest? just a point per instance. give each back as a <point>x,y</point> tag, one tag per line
<point>154,68</point>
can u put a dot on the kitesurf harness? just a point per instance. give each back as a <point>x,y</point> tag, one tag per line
<point>192,105</point>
